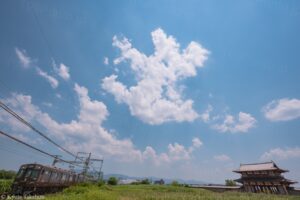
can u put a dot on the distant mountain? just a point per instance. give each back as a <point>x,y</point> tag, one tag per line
<point>167,180</point>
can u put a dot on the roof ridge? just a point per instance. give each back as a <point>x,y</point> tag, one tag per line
<point>258,163</point>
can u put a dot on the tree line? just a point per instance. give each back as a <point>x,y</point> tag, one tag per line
<point>7,174</point>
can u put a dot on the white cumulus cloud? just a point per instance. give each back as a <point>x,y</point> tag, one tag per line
<point>53,82</point>
<point>176,152</point>
<point>24,59</point>
<point>281,154</point>
<point>155,98</point>
<point>242,123</point>
<point>282,110</point>
<point>87,132</point>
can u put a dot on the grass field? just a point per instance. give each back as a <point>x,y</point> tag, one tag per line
<point>127,192</point>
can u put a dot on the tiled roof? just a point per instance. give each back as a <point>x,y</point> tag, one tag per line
<point>258,167</point>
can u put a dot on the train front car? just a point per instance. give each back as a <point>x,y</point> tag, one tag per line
<point>26,179</point>
<point>40,179</point>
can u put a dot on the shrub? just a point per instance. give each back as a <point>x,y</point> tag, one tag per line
<point>175,183</point>
<point>112,181</point>
<point>229,182</point>
<point>145,181</point>
<point>100,183</point>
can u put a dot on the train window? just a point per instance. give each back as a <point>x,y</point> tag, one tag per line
<point>35,173</point>
<point>67,177</point>
<point>63,178</point>
<point>20,173</point>
<point>53,177</point>
<point>59,177</point>
<point>28,173</point>
<point>45,176</point>
<point>32,173</point>
<point>70,178</point>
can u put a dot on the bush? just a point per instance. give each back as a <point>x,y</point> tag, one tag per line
<point>100,183</point>
<point>175,183</point>
<point>145,181</point>
<point>112,181</point>
<point>229,182</point>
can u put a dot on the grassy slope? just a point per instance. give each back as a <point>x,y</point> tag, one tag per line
<point>154,192</point>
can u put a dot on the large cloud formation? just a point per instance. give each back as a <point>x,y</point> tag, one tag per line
<point>155,98</point>
<point>87,132</point>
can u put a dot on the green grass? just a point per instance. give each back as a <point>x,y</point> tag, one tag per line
<point>147,192</point>
<point>5,185</point>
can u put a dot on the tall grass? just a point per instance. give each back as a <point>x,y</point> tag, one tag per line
<point>147,192</point>
<point>5,185</point>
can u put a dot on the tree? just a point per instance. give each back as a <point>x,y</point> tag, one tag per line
<point>112,181</point>
<point>5,174</point>
<point>145,181</point>
<point>229,182</point>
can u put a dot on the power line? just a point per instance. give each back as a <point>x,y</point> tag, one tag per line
<point>19,149</point>
<point>56,158</point>
<point>35,148</point>
<point>22,120</point>
<point>7,109</point>
<point>47,43</point>
<point>22,155</point>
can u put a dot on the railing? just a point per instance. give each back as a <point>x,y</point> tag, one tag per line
<point>262,175</point>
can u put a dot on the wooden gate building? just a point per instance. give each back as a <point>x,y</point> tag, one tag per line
<point>264,177</point>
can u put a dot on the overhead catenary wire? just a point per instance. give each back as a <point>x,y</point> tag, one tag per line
<point>46,40</point>
<point>23,121</point>
<point>20,150</point>
<point>22,156</point>
<point>35,148</point>
<point>18,117</point>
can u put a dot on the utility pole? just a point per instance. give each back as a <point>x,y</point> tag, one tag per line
<point>100,173</point>
<point>84,160</point>
<point>56,160</point>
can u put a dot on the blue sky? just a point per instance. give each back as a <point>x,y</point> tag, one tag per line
<point>177,89</point>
